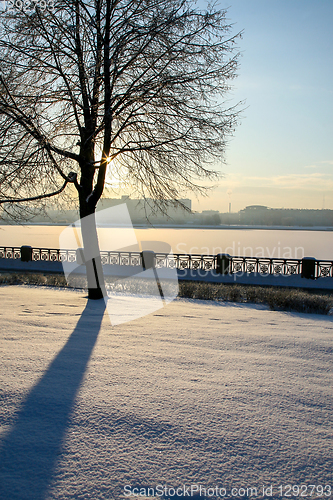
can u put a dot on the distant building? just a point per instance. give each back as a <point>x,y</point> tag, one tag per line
<point>254,214</point>
<point>37,215</point>
<point>210,217</point>
<point>261,215</point>
<point>144,210</point>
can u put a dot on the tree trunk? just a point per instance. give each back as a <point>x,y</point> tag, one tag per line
<point>88,201</point>
<point>95,276</point>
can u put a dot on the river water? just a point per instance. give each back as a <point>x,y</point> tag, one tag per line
<point>237,242</point>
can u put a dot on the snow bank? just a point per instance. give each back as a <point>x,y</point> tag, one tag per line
<point>198,393</point>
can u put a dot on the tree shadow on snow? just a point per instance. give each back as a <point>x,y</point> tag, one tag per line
<point>29,453</point>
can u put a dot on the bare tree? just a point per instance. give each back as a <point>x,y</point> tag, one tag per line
<point>134,86</point>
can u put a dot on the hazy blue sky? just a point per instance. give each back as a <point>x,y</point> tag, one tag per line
<point>282,153</point>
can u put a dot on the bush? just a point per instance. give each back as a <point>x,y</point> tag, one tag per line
<point>278,299</point>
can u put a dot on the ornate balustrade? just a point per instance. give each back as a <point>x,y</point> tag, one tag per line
<point>263,265</point>
<point>241,265</point>
<point>42,254</point>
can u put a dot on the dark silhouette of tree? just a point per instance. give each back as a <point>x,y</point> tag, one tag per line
<point>134,86</point>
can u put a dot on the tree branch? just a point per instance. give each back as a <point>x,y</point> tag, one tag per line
<point>34,198</point>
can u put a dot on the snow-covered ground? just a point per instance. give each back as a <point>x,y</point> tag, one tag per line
<point>197,394</point>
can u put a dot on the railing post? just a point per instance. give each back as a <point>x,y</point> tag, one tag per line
<point>148,259</point>
<point>223,261</point>
<point>80,260</point>
<point>26,253</point>
<point>308,268</point>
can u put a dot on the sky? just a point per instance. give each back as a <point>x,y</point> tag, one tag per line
<point>281,154</point>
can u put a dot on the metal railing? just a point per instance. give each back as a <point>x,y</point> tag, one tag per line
<point>242,265</point>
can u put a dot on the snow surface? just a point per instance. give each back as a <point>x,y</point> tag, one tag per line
<point>197,393</point>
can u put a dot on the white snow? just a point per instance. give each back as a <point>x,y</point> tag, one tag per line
<point>197,393</point>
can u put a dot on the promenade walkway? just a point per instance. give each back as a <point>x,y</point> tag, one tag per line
<point>197,393</point>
